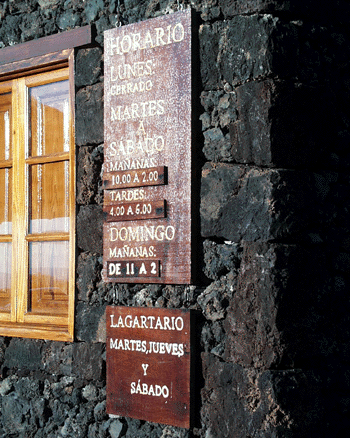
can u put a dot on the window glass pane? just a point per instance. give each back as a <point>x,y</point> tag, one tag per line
<point>49,118</point>
<point>6,201</point>
<point>49,208</point>
<point>48,277</point>
<point>5,276</point>
<point>5,127</point>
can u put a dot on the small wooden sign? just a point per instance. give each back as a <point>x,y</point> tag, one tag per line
<point>134,210</point>
<point>132,268</point>
<point>148,364</point>
<point>148,150</point>
<point>153,176</point>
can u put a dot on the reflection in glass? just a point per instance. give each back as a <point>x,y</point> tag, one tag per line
<point>5,201</point>
<point>5,127</point>
<point>49,118</point>
<point>49,208</point>
<point>5,276</point>
<point>48,278</point>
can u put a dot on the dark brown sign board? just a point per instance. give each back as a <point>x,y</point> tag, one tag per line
<point>148,364</point>
<point>147,167</point>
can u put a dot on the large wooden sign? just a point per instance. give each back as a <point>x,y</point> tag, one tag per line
<point>148,364</point>
<point>147,167</point>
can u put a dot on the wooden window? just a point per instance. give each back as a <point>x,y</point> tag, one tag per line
<point>37,206</point>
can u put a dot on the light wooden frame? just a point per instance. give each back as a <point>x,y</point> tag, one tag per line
<point>38,71</point>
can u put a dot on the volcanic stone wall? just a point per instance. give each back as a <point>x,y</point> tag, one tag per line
<point>274,255</point>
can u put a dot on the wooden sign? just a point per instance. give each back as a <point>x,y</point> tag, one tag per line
<point>148,364</point>
<point>154,176</point>
<point>147,167</point>
<point>134,210</point>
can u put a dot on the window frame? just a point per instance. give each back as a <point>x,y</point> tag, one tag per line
<point>16,76</point>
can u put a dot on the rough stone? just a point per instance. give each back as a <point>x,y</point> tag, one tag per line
<point>209,44</point>
<point>217,147</point>
<point>230,53</point>
<point>88,360</point>
<point>210,100</point>
<point>89,115</point>
<point>57,358</point>
<point>3,346</point>
<point>89,273</point>
<point>270,133</point>
<point>3,9</point>
<point>59,412</point>
<point>274,318</point>
<point>90,323</point>
<point>92,9</point>
<point>27,387</point>
<point>72,428</point>
<point>172,432</point>
<point>238,7</point>
<point>102,25</point>
<point>215,298</point>
<point>227,111</point>
<point>89,174</point>
<point>48,3</point>
<point>148,430</point>
<point>23,353</point>
<point>251,204</point>
<point>68,20</point>
<point>342,262</point>
<point>89,228</point>
<point>32,26</point>
<point>10,30</point>
<point>90,392</point>
<point>206,122</point>
<point>299,8</point>
<point>15,412</point>
<point>213,338</point>
<point>116,428</point>
<point>39,406</point>
<point>6,386</point>
<point>100,411</point>
<point>259,401</point>
<point>220,107</point>
<point>88,66</point>
<point>220,258</point>
<point>216,191</point>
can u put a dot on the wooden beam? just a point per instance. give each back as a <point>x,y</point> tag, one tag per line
<point>38,64</point>
<point>53,43</point>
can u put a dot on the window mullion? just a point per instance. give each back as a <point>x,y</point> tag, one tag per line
<point>20,204</point>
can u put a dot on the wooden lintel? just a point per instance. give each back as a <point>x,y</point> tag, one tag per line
<point>53,43</point>
<point>38,64</point>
